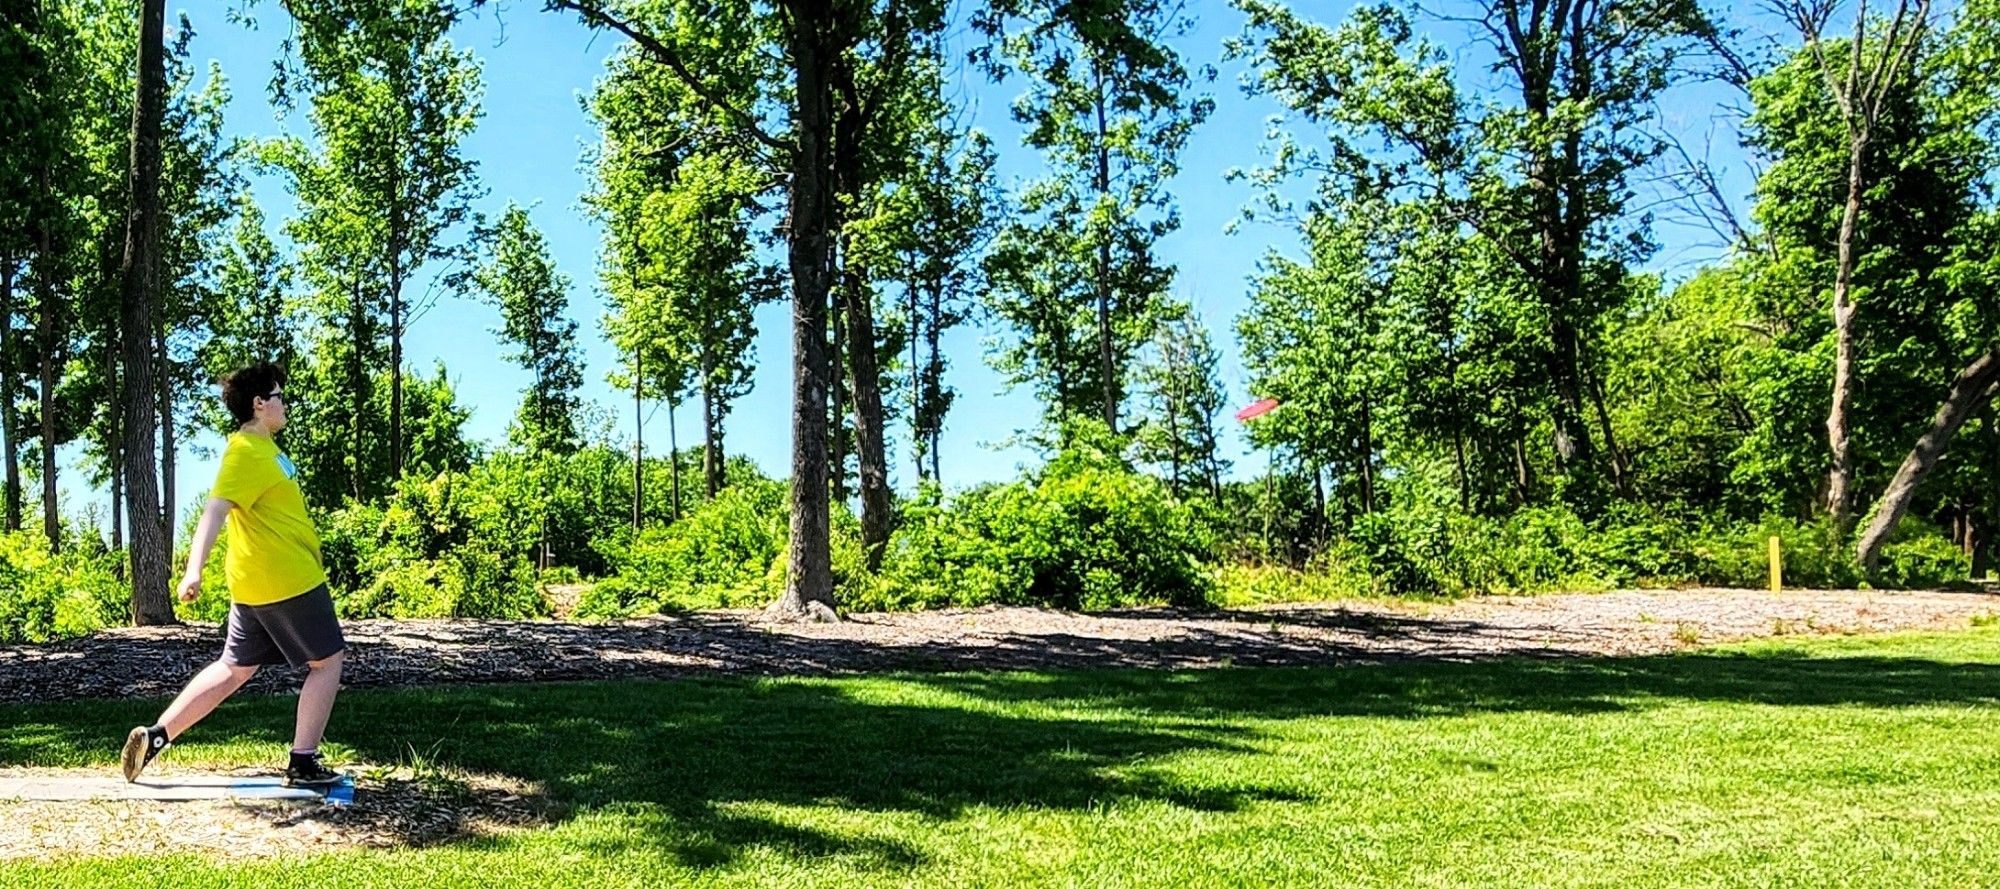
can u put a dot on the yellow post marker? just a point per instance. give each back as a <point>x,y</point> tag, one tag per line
<point>1777,565</point>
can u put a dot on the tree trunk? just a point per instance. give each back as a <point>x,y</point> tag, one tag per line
<point>1524,480</point>
<point>1458,462</point>
<point>1973,389</point>
<point>395,367</point>
<point>674,462</point>
<point>711,438</point>
<point>1572,436</point>
<point>1209,463</point>
<point>870,446</point>
<point>934,372</point>
<point>1557,280</point>
<point>837,413</point>
<point>814,48</point>
<point>1984,555</point>
<point>1174,444</point>
<point>1840,478</point>
<point>1106,366</point>
<point>10,425</point>
<point>917,438</point>
<point>1367,457</point>
<point>1621,471</point>
<point>114,450</point>
<point>638,438</point>
<point>357,379</point>
<point>1569,224</point>
<point>49,319</point>
<point>167,449</point>
<point>1320,519</point>
<point>150,602</point>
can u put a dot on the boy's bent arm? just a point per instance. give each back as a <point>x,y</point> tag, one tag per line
<point>213,516</point>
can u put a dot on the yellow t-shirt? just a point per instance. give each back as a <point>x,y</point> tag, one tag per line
<point>273,550</point>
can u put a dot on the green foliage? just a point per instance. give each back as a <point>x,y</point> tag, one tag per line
<point>45,597</point>
<point>455,545</point>
<point>1737,555</point>
<point>1084,533</point>
<point>521,278</point>
<point>324,425</point>
<point>1110,105</point>
<point>680,265</point>
<point>1919,556</point>
<point>1340,572</point>
<point>1437,550</point>
<point>719,555</point>
<point>1183,399</point>
<point>1924,560</point>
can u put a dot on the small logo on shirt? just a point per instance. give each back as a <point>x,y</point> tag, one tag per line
<point>285,463</point>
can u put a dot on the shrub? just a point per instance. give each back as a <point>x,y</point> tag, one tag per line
<point>720,555</point>
<point>46,596</point>
<point>1087,533</point>
<point>1339,572</point>
<point>1738,555</point>
<point>1920,556</point>
<point>455,545</point>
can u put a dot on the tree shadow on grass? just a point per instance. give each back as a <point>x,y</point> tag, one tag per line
<point>703,772</point>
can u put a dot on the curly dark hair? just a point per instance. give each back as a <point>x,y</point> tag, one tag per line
<point>241,389</point>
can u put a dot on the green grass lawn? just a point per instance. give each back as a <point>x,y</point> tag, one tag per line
<point>1843,762</point>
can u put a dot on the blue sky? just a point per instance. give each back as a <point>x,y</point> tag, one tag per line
<point>537,66</point>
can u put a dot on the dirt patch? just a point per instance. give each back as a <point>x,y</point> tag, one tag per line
<point>393,808</point>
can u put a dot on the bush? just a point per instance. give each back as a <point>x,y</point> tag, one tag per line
<point>1739,555</point>
<point>1087,534</point>
<point>1919,555</point>
<point>1429,549</point>
<point>46,596</point>
<point>1645,549</point>
<point>1339,572</point>
<point>456,545</point>
<point>721,555</point>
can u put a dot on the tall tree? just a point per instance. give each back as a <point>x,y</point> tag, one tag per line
<point>1183,395</point>
<point>201,171</point>
<point>825,48</point>
<point>1542,178</point>
<point>935,224</point>
<point>1108,103</point>
<point>1957,100</point>
<point>679,192</point>
<point>150,603</point>
<point>892,106</point>
<point>1318,338</point>
<point>392,99</point>
<point>1859,87</point>
<point>822,45</point>
<point>521,279</point>
<point>27,135</point>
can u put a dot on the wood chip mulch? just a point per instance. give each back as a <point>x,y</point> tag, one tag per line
<point>156,661</point>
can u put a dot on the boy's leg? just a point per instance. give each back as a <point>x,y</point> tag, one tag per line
<point>316,701</point>
<point>210,687</point>
<point>214,684</point>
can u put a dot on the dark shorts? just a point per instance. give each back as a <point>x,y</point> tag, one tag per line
<point>295,631</point>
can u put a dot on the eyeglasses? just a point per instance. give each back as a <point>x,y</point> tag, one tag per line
<point>274,396</point>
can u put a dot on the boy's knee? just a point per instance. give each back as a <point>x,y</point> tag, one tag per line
<point>332,660</point>
<point>239,672</point>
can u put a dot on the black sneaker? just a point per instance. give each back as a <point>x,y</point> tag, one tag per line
<point>141,745</point>
<point>307,770</point>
